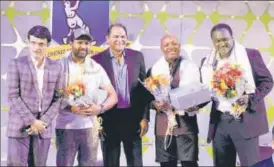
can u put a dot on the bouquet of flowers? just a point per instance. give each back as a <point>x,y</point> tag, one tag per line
<point>77,94</point>
<point>159,86</point>
<point>229,84</point>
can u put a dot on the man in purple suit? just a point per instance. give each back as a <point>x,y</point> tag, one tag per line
<point>33,81</point>
<point>127,121</point>
<point>231,135</point>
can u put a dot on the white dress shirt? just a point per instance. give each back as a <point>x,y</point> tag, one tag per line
<point>40,78</point>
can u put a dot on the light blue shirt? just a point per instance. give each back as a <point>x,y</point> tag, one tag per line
<point>121,81</point>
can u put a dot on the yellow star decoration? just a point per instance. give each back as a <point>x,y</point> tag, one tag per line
<point>270,110</point>
<point>145,143</point>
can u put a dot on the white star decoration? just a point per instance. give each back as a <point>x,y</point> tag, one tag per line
<point>136,45</point>
<point>19,45</point>
<point>270,63</point>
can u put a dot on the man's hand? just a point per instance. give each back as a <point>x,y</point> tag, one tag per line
<point>161,106</point>
<point>79,110</point>
<point>92,109</point>
<point>38,125</point>
<point>143,127</point>
<point>243,100</point>
<point>32,131</point>
<point>191,109</point>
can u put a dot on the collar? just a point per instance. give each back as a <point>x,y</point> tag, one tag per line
<point>112,55</point>
<point>35,62</point>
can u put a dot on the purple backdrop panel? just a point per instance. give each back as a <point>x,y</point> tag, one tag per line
<point>90,15</point>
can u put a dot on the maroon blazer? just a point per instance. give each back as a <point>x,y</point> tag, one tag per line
<point>254,121</point>
<point>136,71</point>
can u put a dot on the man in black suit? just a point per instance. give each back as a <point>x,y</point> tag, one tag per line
<point>231,136</point>
<point>269,162</point>
<point>127,122</point>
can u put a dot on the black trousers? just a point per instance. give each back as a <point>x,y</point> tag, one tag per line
<point>183,163</point>
<point>182,147</point>
<point>132,148</point>
<point>228,141</point>
<point>117,131</point>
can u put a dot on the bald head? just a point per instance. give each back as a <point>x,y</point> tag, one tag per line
<point>169,36</point>
<point>170,46</point>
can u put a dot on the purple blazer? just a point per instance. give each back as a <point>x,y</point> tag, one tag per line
<point>23,95</point>
<point>254,121</point>
<point>136,70</point>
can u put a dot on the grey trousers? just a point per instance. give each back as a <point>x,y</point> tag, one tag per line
<point>29,151</point>
<point>72,141</point>
<point>228,141</point>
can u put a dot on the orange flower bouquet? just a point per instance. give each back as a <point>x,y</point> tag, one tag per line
<point>228,83</point>
<point>76,94</point>
<point>159,86</point>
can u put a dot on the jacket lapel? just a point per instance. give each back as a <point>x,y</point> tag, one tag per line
<point>33,73</point>
<point>108,66</point>
<point>129,60</point>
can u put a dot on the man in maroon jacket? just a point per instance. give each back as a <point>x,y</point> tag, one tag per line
<point>231,136</point>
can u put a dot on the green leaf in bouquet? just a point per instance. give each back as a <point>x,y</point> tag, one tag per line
<point>59,93</point>
<point>78,94</point>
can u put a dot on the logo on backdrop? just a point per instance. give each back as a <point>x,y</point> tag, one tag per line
<point>67,15</point>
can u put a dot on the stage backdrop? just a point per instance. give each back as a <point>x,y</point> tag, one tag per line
<point>252,23</point>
